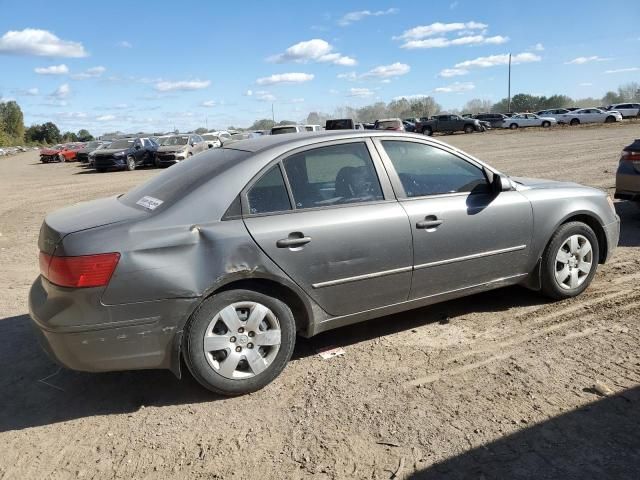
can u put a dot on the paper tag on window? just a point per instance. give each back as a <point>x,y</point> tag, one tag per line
<point>149,203</point>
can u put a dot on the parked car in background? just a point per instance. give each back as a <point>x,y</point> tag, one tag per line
<point>359,126</point>
<point>313,128</point>
<point>213,140</point>
<point>409,126</point>
<point>175,148</point>
<point>389,124</point>
<point>70,151</point>
<point>126,154</point>
<point>590,115</point>
<point>448,124</point>
<point>82,155</point>
<point>2,152</point>
<point>556,113</point>
<point>92,155</point>
<point>340,124</point>
<point>627,110</point>
<point>223,260</point>
<point>52,154</point>
<point>494,120</point>
<point>528,120</point>
<point>279,129</point>
<point>628,173</point>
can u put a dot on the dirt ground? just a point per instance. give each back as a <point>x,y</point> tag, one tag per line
<point>498,385</point>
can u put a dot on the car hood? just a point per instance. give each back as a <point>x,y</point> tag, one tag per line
<point>543,183</point>
<point>172,148</point>
<point>49,151</point>
<point>111,151</point>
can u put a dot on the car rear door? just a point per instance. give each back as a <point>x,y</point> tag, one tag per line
<point>327,216</point>
<point>463,234</point>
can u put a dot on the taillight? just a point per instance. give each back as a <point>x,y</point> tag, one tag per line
<point>83,271</point>
<point>631,156</point>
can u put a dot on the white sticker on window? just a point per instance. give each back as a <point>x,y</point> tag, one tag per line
<point>149,203</point>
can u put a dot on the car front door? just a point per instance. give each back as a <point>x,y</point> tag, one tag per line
<point>333,225</point>
<point>464,235</point>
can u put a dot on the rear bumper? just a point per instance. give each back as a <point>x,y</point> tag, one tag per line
<point>80,333</point>
<point>627,182</point>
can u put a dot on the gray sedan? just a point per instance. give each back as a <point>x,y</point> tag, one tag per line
<point>226,258</point>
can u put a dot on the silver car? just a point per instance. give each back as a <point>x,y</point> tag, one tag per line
<point>223,260</point>
<point>176,148</point>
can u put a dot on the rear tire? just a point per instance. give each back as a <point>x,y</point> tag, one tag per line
<point>574,122</point>
<point>427,131</point>
<point>513,126</point>
<point>609,119</point>
<point>468,129</point>
<point>131,163</point>
<point>570,261</point>
<point>546,124</point>
<point>224,320</point>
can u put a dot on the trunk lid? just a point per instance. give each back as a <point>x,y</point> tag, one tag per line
<point>83,216</point>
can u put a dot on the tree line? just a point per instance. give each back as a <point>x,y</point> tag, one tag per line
<point>13,131</point>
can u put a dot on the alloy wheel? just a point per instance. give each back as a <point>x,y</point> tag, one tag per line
<point>574,262</point>
<point>242,340</point>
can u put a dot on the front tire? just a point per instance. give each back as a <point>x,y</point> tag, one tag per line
<point>609,119</point>
<point>546,124</point>
<point>574,122</point>
<point>570,261</point>
<point>61,158</point>
<point>427,131</point>
<point>468,129</point>
<point>513,126</point>
<point>131,163</point>
<point>238,341</point>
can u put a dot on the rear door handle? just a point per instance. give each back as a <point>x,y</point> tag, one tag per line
<point>292,242</point>
<point>429,222</point>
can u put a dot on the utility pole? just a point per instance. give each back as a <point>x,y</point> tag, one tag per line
<point>273,117</point>
<point>509,87</point>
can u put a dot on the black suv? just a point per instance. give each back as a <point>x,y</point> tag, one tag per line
<point>126,153</point>
<point>494,119</point>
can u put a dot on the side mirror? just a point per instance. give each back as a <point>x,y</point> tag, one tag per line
<point>500,183</point>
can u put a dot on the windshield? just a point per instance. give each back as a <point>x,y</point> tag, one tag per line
<point>92,145</point>
<point>278,130</point>
<point>174,183</point>
<point>122,143</point>
<point>178,140</point>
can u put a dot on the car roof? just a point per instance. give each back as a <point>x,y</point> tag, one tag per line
<point>268,142</point>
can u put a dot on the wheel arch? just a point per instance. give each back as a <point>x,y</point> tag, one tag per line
<point>591,219</point>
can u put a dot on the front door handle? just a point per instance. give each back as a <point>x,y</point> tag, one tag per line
<point>292,242</point>
<point>429,223</point>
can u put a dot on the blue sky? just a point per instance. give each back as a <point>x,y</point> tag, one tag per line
<point>152,66</point>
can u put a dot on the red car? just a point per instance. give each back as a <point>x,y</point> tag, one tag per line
<point>60,153</point>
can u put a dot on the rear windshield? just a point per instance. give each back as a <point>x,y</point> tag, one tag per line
<point>276,131</point>
<point>174,183</point>
<point>344,124</point>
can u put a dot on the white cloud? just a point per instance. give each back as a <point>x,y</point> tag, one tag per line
<point>264,96</point>
<point>183,85</point>
<point>585,84</point>
<point>32,92</point>
<point>209,103</point>
<point>623,70</point>
<point>93,72</point>
<point>351,76</point>
<point>106,118</point>
<point>63,91</point>
<point>248,93</point>
<point>315,50</point>
<point>583,60</point>
<point>424,31</point>
<point>293,77</point>
<point>503,59</point>
<point>386,71</point>
<point>453,5</point>
<point>125,44</point>
<point>456,87</point>
<point>441,42</point>
<point>32,41</point>
<point>538,47</point>
<point>52,70</point>
<point>360,92</point>
<point>352,17</point>
<point>453,72</point>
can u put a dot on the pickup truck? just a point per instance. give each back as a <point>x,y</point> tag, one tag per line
<point>448,124</point>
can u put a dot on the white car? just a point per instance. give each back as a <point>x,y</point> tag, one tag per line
<point>591,115</point>
<point>279,129</point>
<point>528,120</point>
<point>554,113</point>
<point>313,128</point>
<point>2,152</point>
<point>626,109</point>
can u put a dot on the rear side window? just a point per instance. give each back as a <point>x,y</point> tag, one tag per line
<point>342,124</point>
<point>334,175</point>
<point>426,170</point>
<point>269,194</point>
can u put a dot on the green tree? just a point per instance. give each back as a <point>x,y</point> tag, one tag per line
<point>45,133</point>
<point>477,105</point>
<point>84,135</point>
<point>629,92</point>
<point>12,120</point>
<point>263,124</point>
<point>69,137</point>
<point>612,97</point>
<point>200,130</point>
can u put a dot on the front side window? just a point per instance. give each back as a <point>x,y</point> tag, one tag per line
<point>426,170</point>
<point>269,194</point>
<point>334,175</point>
